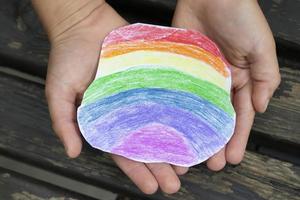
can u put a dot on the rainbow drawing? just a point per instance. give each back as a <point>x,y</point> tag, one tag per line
<point>160,95</point>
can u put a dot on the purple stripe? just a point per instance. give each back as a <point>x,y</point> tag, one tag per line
<point>105,132</point>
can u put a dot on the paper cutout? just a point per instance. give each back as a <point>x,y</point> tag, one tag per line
<point>160,95</point>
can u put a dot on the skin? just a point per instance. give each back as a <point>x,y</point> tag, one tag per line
<point>75,45</point>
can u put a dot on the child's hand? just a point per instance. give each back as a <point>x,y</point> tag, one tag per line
<point>241,30</point>
<point>72,66</point>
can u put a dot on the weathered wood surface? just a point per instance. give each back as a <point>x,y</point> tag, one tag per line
<point>24,46</point>
<point>284,19</point>
<point>14,186</point>
<point>25,134</point>
<point>23,43</point>
<point>282,118</point>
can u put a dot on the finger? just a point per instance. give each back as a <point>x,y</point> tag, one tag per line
<point>266,77</point>
<point>244,119</point>
<point>138,173</point>
<point>217,161</point>
<point>180,170</point>
<point>63,115</point>
<point>166,177</point>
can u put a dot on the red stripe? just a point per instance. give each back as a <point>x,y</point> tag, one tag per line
<point>137,32</point>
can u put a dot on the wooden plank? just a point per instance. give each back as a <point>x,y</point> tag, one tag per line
<point>284,19</point>
<point>18,187</point>
<point>281,121</point>
<point>23,43</point>
<point>25,134</point>
<point>277,132</point>
<point>45,178</point>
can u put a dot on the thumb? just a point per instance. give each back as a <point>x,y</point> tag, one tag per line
<point>62,108</point>
<point>265,78</point>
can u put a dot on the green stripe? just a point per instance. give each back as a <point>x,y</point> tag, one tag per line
<point>157,78</point>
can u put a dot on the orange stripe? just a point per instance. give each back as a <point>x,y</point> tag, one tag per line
<point>182,49</point>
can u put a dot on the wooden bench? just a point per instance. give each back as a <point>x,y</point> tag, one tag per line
<point>270,169</point>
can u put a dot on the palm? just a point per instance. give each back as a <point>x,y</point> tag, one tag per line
<point>246,41</point>
<point>72,64</point>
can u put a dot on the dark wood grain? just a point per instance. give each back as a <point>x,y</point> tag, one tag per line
<point>23,43</point>
<point>25,134</point>
<point>284,19</point>
<point>14,186</point>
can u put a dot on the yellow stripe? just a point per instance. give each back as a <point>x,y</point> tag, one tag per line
<point>171,47</point>
<point>188,65</point>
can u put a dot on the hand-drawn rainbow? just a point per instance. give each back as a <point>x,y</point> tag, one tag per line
<point>160,95</point>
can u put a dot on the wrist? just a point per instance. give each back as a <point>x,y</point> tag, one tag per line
<point>201,5</point>
<point>59,16</point>
<point>216,10</point>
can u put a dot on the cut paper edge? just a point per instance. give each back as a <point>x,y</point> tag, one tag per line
<point>140,33</point>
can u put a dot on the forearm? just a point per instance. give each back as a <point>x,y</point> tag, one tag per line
<point>60,15</point>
